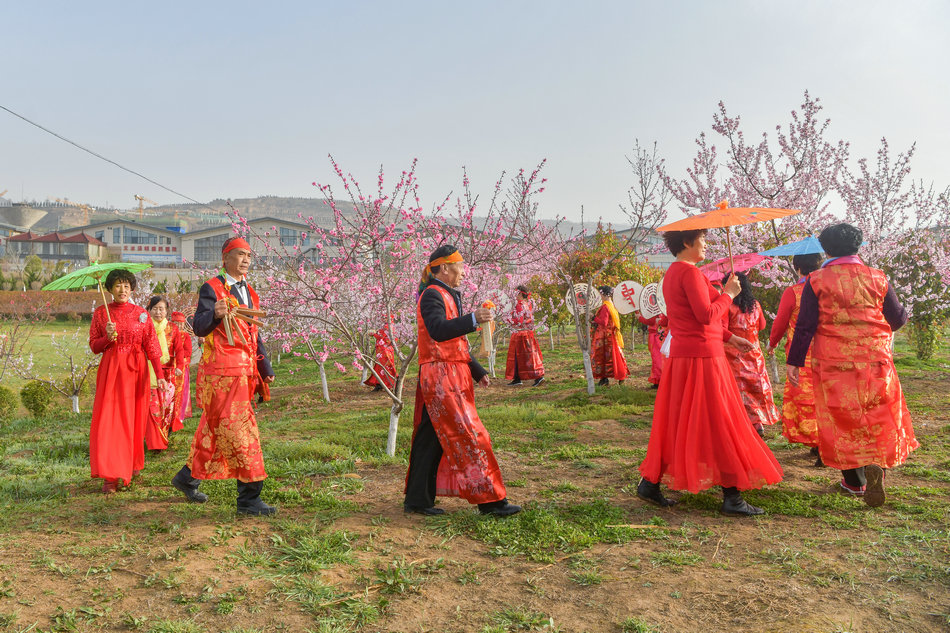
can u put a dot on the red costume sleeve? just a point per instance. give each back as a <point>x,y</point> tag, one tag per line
<point>602,319</point>
<point>179,352</point>
<point>187,349</point>
<point>98,339</point>
<point>761,325</point>
<point>780,324</point>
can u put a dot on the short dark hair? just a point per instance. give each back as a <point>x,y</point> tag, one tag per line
<point>117,275</point>
<point>807,263</point>
<point>155,300</point>
<point>676,240</point>
<point>841,240</point>
<point>443,251</point>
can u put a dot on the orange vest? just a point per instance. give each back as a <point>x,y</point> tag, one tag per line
<point>220,359</point>
<point>851,324</point>
<point>431,351</point>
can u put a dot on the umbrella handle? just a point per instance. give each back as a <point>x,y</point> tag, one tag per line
<point>732,264</point>
<point>104,302</point>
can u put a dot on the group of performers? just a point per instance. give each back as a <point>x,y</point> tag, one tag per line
<point>842,399</point>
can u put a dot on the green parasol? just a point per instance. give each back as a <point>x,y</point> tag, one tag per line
<point>92,275</point>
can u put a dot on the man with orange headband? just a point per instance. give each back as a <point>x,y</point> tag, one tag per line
<point>227,444</point>
<point>451,452</point>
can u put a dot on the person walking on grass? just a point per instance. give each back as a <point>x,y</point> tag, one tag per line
<point>799,425</point>
<point>162,413</point>
<point>848,315</point>
<point>524,353</point>
<point>126,339</point>
<point>227,443</point>
<point>451,452</point>
<point>701,436</point>
<point>607,359</point>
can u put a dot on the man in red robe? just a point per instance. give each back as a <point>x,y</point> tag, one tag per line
<point>227,443</point>
<point>524,352</point>
<point>851,310</point>
<point>447,429</point>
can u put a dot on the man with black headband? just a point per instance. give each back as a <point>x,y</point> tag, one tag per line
<point>451,452</point>
<point>227,444</point>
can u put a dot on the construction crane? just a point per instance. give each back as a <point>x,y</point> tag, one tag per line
<point>3,192</point>
<point>143,199</point>
<point>85,208</point>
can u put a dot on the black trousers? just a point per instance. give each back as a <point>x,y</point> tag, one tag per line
<point>424,457</point>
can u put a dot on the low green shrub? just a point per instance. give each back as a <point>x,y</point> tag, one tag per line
<point>36,397</point>
<point>8,404</point>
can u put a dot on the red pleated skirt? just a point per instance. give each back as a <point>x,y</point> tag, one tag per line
<point>701,436</point>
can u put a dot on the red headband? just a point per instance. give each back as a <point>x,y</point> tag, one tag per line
<point>238,242</point>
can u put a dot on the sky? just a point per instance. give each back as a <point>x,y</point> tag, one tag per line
<point>242,99</point>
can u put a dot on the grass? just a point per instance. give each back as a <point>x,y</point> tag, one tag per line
<point>341,556</point>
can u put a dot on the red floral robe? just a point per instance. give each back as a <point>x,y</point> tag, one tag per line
<point>607,359</point>
<point>862,416</point>
<point>163,410</point>
<point>185,400</point>
<point>227,442</point>
<point>385,364</point>
<point>799,424</point>
<point>524,352</point>
<point>468,468</point>
<point>120,408</point>
<point>749,367</point>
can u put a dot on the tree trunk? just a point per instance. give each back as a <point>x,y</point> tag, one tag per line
<point>588,373</point>
<point>393,428</point>
<point>491,361</point>
<point>75,400</point>
<point>323,383</point>
<point>551,337</point>
<point>633,336</point>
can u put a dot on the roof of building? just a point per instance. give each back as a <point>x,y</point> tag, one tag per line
<point>138,225</point>
<point>29,236</point>
<point>54,237</point>
<point>84,239</point>
<point>229,227</point>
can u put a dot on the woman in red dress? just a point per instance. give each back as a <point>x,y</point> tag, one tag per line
<point>656,329</point>
<point>849,313</point>
<point>607,342</point>
<point>746,320</point>
<point>799,425</point>
<point>385,364</point>
<point>701,436</point>
<point>183,380</point>
<point>524,352</point>
<point>162,411</point>
<point>126,339</point>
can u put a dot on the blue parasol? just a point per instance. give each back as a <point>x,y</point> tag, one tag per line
<point>806,246</point>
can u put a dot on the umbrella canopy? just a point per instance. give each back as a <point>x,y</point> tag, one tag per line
<point>716,270</point>
<point>724,216</point>
<point>92,275</point>
<point>807,246</point>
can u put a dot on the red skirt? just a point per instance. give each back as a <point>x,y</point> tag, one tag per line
<point>161,416</point>
<point>701,436</point>
<point>524,357</point>
<point>656,358</point>
<point>607,359</point>
<point>185,397</point>
<point>227,444</point>
<point>799,421</point>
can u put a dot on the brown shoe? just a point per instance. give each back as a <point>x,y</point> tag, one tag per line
<point>109,487</point>
<point>874,491</point>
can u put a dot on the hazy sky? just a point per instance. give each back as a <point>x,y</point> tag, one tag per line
<point>240,99</point>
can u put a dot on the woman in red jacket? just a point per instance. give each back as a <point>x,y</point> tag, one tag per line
<point>701,436</point>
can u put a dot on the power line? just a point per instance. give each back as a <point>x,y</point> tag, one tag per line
<point>108,160</point>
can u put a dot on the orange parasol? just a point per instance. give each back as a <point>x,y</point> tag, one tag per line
<point>724,216</point>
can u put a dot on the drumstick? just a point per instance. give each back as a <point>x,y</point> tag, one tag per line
<point>251,312</point>
<point>243,317</point>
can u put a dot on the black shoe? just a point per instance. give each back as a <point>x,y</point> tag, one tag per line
<point>650,492</point>
<point>187,484</point>
<point>819,463</point>
<point>737,507</point>
<point>515,383</point>
<point>814,451</point>
<point>249,499</point>
<point>603,382</point>
<point>655,386</point>
<point>429,512</point>
<point>761,431</point>
<point>499,508</point>
<point>537,381</point>
<point>377,388</point>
